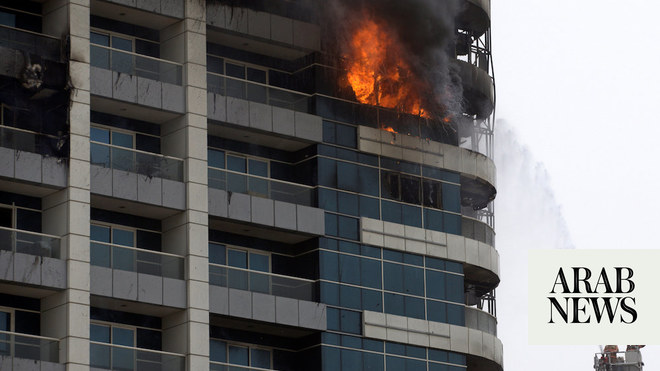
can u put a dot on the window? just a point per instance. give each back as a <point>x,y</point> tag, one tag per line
<point>119,358</point>
<point>237,165</point>
<point>239,75</point>
<point>118,54</point>
<point>116,158</point>
<point>105,255</point>
<point>249,263</point>
<point>240,354</point>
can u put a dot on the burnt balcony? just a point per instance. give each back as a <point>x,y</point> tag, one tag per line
<point>22,351</point>
<point>29,42</point>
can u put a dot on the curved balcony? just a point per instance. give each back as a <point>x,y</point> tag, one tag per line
<point>118,357</point>
<point>478,90</point>
<point>475,16</point>
<point>480,320</point>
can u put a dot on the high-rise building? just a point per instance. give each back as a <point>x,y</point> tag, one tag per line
<point>247,185</point>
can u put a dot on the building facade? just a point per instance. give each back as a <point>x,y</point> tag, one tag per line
<point>187,185</point>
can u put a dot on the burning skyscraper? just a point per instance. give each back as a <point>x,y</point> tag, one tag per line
<point>247,185</point>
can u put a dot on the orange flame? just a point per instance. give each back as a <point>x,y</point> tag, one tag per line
<point>379,75</point>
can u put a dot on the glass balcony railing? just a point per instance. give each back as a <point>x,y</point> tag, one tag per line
<point>28,141</point>
<point>132,259</point>
<point>223,366</point>
<point>278,190</point>
<point>118,357</point>
<point>136,64</point>
<point>131,160</point>
<point>30,42</point>
<point>256,92</point>
<point>26,346</point>
<point>32,243</point>
<point>266,283</point>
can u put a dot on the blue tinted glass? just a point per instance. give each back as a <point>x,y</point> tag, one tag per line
<point>259,262</point>
<point>456,314</point>
<point>349,247</point>
<point>437,367</point>
<point>216,158</point>
<point>260,358</point>
<point>346,136</point>
<point>333,319</point>
<point>395,348</point>
<point>327,199</point>
<point>414,364</point>
<point>437,355</point>
<point>349,297</point>
<point>436,311</point>
<point>372,362</point>
<point>99,233</point>
<point>347,227</point>
<point>237,258</point>
<point>123,237</point>
<point>391,211</point>
<point>217,253</point>
<point>394,304</point>
<point>435,284</point>
<point>123,336</point>
<point>435,263</point>
<point>414,307</point>
<point>329,338</point>
<point>369,207</point>
<point>331,224</point>
<point>411,215</point>
<point>370,272</point>
<point>99,39</point>
<point>330,358</point>
<point>351,341</point>
<point>236,164</point>
<point>396,363</point>
<point>417,352</point>
<point>393,276</point>
<point>99,135</point>
<point>329,266</point>
<point>370,251</point>
<point>457,359</point>
<point>452,223</point>
<point>373,345</point>
<point>413,259</point>
<point>451,197</point>
<point>329,294</point>
<point>350,359</point>
<point>258,167</point>
<point>433,220</point>
<point>215,64</point>
<point>349,269</point>
<point>454,267</point>
<point>235,70</point>
<point>329,132</point>
<point>351,322</point>
<point>347,203</point>
<point>327,172</point>
<point>368,180</point>
<point>454,288</point>
<point>218,351</point>
<point>346,154</point>
<point>122,139</point>
<point>372,300</point>
<point>392,255</point>
<point>98,333</point>
<point>122,43</point>
<point>413,279</point>
<point>238,355</point>
<point>347,176</point>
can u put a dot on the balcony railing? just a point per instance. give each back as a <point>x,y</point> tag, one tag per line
<point>30,42</point>
<point>132,259</point>
<point>256,92</point>
<point>132,160</point>
<point>119,357</point>
<point>136,64</point>
<point>28,141</point>
<point>266,283</point>
<point>278,190</point>
<point>34,347</point>
<point>32,243</point>
<point>223,366</point>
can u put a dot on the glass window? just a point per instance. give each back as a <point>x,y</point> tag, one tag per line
<point>346,136</point>
<point>432,194</point>
<point>217,253</point>
<point>369,207</point>
<point>347,227</point>
<point>349,269</point>
<point>5,321</point>
<point>451,197</point>
<point>235,70</point>
<point>256,75</point>
<point>413,280</point>
<point>410,189</point>
<point>394,304</point>
<point>347,176</point>
<point>99,39</point>
<point>347,203</point>
<point>329,266</point>
<point>391,211</point>
<point>436,311</point>
<point>123,237</point>
<point>371,273</point>
<point>216,158</point>
<point>237,258</point>
<point>350,321</point>
<point>99,135</point>
<point>259,262</point>
<point>393,276</point>
<point>456,314</point>
<point>238,355</point>
<point>350,359</point>
<point>99,333</point>
<point>330,296</point>
<point>260,358</point>
<point>327,199</point>
<point>372,300</point>
<point>122,43</point>
<point>349,297</point>
<point>236,163</point>
<point>435,284</point>
<point>218,351</point>
<point>123,336</point>
<point>414,307</point>
<point>454,288</point>
<point>258,167</point>
<point>368,180</point>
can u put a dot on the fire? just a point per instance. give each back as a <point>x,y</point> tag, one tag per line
<point>390,129</point>
<point>379,75</point>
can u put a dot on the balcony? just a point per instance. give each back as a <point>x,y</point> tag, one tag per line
<point>117,357</point>
<point>31,258</point>
<point>115,170</point>
<point>262,282</point>
<point>45,46</point>
<point>22,350</point>
<point>256,92</point>
<point>136,78</point>
<point>30,156</point>
<point>278,190</point>
<point>135,274</point>
<point>32,243</point>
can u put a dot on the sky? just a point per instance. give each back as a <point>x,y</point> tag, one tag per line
<point>576,147</point>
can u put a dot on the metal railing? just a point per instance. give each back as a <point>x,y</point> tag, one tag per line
<point>30,42</point>
<point>223,366</point>
<point>266,283</point>
<point>136,64</point>
<point>257,92</point>
<point>278,190</point>
<point>133,259</point>
<point>39,348</point>
<point>119,357</point>
<point>32,243</point>
<point>136,161</point>
<point>28,141</point>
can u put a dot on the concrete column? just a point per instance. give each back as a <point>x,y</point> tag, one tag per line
<point>187,233</point>
<point>65,315</point>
